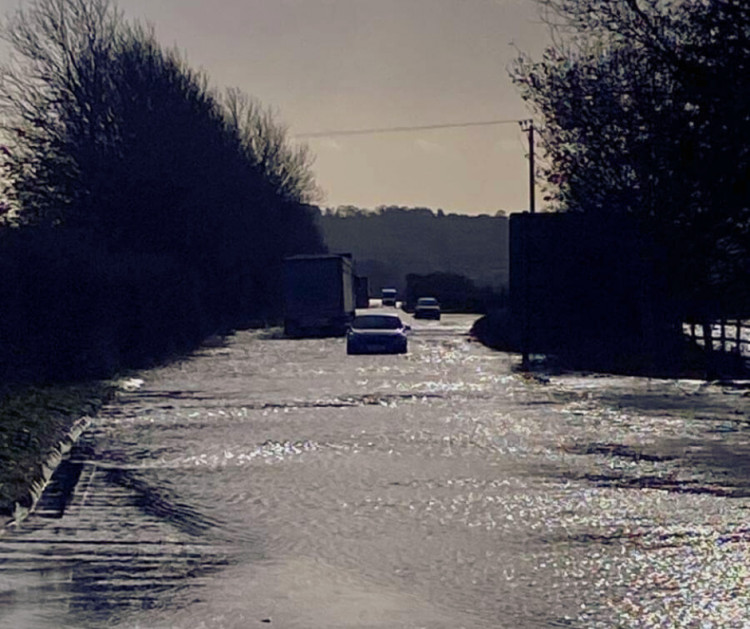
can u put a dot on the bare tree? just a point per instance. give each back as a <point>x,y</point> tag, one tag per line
<point>56,79</point>
<point>265,142</point>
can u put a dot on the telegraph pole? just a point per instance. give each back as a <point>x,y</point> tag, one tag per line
<point>528,127</point>
<point>532,185</point>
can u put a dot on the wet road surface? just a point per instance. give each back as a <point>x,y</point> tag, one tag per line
<point>271,482</point>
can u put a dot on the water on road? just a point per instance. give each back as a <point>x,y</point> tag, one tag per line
<point>281,483</point>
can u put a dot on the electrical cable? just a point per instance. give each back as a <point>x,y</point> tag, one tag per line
<point>430,127</point>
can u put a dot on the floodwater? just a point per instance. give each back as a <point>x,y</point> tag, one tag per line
<point>281,483</point>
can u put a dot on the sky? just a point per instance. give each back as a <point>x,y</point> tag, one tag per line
<point>346,65</point>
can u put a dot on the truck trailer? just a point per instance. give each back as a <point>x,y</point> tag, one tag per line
<point>319,298</point>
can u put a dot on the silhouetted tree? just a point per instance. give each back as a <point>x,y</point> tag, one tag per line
<point>55,83</point>
<point>111,131</point>
<point>643,111</point>
<point>265,144</point>
<point>109,135</point>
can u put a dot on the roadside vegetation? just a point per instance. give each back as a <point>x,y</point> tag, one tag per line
<point>34,422</point>
<point>641,106</point>
<point>144,210</point>
<point>141,211</point>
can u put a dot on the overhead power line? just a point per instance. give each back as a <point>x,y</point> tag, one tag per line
<point>427,127</point>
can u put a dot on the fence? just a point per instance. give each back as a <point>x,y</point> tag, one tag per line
<point>731,336</point>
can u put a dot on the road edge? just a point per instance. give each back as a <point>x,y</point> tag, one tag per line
<point>54,457</point>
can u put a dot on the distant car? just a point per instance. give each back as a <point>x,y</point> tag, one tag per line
<point>389,296</point>
<point>377,334</point>
<point>427,308</point>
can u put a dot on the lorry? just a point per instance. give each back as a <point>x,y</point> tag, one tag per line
<point>319,298</point>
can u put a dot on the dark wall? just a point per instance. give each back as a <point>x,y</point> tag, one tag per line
<point>588,287</point>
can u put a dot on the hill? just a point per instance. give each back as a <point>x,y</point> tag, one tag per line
<point>391,242</point>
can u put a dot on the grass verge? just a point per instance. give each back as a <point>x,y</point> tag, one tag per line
<point>34,421</point>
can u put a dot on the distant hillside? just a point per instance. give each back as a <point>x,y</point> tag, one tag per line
<point>391,242</point>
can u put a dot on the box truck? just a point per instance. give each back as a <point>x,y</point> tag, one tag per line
<point>319,297</point>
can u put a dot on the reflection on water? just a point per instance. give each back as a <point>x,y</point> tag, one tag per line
<point>285,483</point>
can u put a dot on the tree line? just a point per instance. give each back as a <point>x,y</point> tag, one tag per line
<point>642,110</point>
<point>390,242</point>
<point>143,210</point>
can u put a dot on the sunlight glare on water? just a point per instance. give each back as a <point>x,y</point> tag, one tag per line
<point>285,483</point>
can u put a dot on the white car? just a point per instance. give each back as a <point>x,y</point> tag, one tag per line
<point>377,334</point>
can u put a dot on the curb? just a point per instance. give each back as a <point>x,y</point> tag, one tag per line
<point>54,457</point>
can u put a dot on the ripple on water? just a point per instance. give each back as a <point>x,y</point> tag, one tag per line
<point>562,500</point>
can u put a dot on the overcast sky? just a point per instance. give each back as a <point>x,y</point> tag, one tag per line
<point>328,65</point>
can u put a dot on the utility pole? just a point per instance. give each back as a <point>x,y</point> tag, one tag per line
<point>528,127</point>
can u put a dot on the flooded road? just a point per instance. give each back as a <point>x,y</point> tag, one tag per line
<point>282,483</point>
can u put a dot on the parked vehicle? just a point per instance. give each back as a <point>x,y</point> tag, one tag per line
<point>318,295</point>
<point>388,296</point>
<point>427,308</point>
<point>377,334</point>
